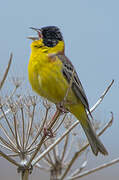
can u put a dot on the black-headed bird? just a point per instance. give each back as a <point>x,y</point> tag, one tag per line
<point>50,73</point>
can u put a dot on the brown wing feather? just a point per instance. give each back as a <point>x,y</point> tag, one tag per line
<point>77,87</point>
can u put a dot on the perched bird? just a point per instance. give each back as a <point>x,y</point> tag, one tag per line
<point>50,73</point>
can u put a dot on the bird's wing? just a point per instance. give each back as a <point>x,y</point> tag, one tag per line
<point>69,71</point>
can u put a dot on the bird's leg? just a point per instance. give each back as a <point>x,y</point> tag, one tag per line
<point>48,130</point>
<point>60,106</point>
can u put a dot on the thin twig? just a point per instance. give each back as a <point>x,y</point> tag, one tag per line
<point>57,114</point>
<point>8,145</point>
<point>59,139</point>
<point>54,151</point>
<point>45,119</point>
<point>30,126</point>
<point>105,165</point>
<point>49,156</point>
<point>79,170</point>
<point>13,155</point>
<point>39,131</point>
<point>7,136</point>
<point>6,71</point>
<point>65,147</point>
<point>69,149</point>
<point>6,112</point>
<point>10,96</point>
<point>76,155</point>
<point>16,132</point>
<point>23,128</point>
<point>7,121</point>
<point>24,174</point>
<point>5,146</point>
<point>8,158</point>
<point>60,124</point>
<point>102,97</point>
<point>54,144</point>
<point>19,137</point>
<point>42,167</point>
<point>45,159</point>
<point>62,137</point>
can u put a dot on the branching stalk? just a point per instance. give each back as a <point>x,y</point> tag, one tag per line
<point>105,165</point>
<point>76,155</point>
<point>6,72</point>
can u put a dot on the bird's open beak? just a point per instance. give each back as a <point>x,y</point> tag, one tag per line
<point>39,34</point>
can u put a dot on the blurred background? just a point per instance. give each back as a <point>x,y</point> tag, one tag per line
<point>91,33</point>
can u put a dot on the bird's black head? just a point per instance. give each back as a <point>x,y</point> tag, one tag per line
<point>51,35</point>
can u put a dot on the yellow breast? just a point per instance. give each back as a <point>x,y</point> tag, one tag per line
<point>46,77</point>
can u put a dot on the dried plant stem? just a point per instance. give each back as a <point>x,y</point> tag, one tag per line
<point>7,121</point>
<point>60,124</point>
<point>20,146</point>
<point>5,146</point>
<point>6,112</point>
<point>10,96</point>
<point>6,71</point>
<point>57,114</point>
<point>19,138</point>
<point>30,126</point>
<point>76,155</point>
<point>44,121</point>
<point>59,139</point>
<point>54,152</point>
<point>9,159</point>
<point>24,175</point>
<point>78,170</point>
<point>46,160</point>
<point>54,144</point>
<point>65,147</point>
<point>39,131</point>
<point>8,145</point>
<point>55,117</point>
<point>69,149</point>
<point>23,129</point>
<point>102,97</point>
<point>95,169</point>
<point>12,155</point>
<point>16,133</point>
<point>70,164</point>
<point>36,151</point>
<point>42,167</point>
<point>49,156</point>
<point>7,136</point>
<point>75,124</point>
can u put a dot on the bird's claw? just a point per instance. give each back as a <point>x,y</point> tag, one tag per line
<point>62,108</point>
<point>48,133</point>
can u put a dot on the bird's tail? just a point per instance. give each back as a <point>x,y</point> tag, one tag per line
<point>93,139</point>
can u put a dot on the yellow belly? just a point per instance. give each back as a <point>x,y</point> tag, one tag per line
<point>49,82</point>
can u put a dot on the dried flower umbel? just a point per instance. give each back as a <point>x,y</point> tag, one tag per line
<point>29,138</point>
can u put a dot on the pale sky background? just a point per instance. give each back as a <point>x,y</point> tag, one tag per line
<point>91,33</point>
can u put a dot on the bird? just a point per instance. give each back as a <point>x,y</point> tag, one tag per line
<point>51,74</point>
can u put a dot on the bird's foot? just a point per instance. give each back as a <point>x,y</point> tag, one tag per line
<point>62,108</point>
<point>48,132</point>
